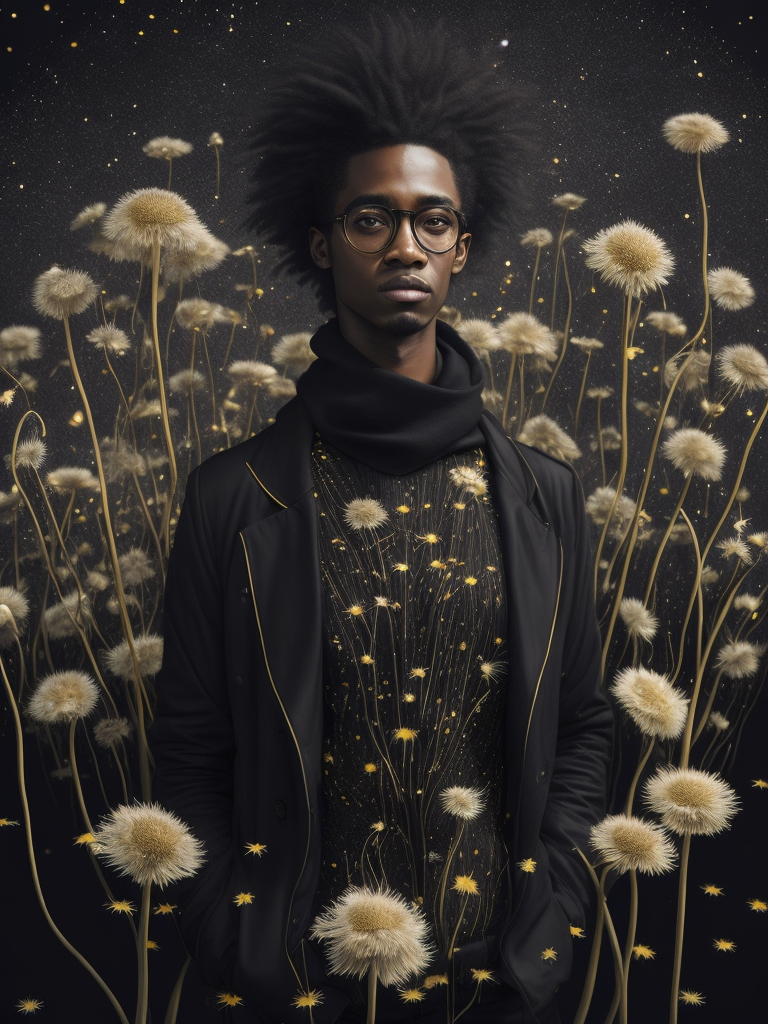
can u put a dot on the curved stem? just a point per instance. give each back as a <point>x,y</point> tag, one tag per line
<point>534,276</point>
<point>679,929</point>
<point>173,1002</point>
<point>665,538</point>
<point>76,777</point>
<point>173,472</point>
<point>504,415</point>
<point>566,329</point>
<point>636,778</point>
<point>142,951</point>
<point>33,860</point>
<point>371,1014</point>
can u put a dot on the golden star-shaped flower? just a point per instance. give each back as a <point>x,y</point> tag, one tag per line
<point>433,980</point>
<point>121,906</point>
<point>308,999</point>
<point>691,998</point>
<point>228,999</point>
<point>242,899</point>
<point>412,995</point>
<point>549,953</point>
<point>29,1005</point>
<point>576,932</point>
<point>759,784</point>
<point>724,945</point>
<point>641,952</point>
<point>759,905</point>
<point>151,944</point>
<point>7,822</point>
<point>481,974</point>
<point>257,849</point>
<point>85,839</point>
<point>528,865</point>
<point>466,885</point>
<point>712,890</point>
<point>165,908</point>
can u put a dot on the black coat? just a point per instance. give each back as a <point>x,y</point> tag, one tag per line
<point>237,737</point>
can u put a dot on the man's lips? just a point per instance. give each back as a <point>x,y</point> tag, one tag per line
<point>406,288</point>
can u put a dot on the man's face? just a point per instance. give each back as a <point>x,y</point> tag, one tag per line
<point>399,290</point>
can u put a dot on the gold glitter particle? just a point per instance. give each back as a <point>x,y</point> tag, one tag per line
<point>409,698</point>
<point>403,508</point>
<point>370,767</point>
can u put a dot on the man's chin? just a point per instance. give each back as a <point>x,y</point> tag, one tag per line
<point>406,323</point>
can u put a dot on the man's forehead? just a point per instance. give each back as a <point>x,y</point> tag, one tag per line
<point>394,174</point>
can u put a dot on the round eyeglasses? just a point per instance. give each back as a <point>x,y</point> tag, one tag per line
<point>370,229</point>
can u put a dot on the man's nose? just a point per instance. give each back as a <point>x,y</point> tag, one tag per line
<point>404,247</point>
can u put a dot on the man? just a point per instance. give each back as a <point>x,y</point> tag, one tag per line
<point>381,669</point>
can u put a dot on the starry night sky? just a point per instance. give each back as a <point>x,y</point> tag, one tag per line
<point>85,85</point>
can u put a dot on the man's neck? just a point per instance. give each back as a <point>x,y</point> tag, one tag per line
<point>410,355</point>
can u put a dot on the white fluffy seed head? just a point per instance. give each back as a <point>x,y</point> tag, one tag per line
<point>650,700</point>
<point>463,802</point>
<point>60,293</point>
<point>691,802</point>
<point>148,843</point>
<point>695,133</point>
<point>62,697</point>
<point>739,659</point>
<point>163,147</point>
<point>149,215</point>
<point>666,322</point>
<point>149,654</point>
<point>630,256</point>
<point>537,238</point>
<point>365,514</point>
<point>522,334</point>
<point>368,929</point>
<point>293,352</point>
<point>730,289</point>
<point>695,453</point>
<point>631,844</point>
<point>743,366</point>
<point>641,624</point>
<point>481,335</point>
<point>542,432</point>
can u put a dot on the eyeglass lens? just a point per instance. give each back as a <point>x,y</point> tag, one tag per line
<point>371,228</point>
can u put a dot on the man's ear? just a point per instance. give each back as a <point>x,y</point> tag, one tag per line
<point>319,248</point>
<point>462,251</point>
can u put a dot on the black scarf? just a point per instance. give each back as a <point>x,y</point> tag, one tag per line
<point>387,421</point>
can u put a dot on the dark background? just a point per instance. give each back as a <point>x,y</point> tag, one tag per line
<point>74,118</point>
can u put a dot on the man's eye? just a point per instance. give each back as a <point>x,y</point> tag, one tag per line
<point>368,221</point>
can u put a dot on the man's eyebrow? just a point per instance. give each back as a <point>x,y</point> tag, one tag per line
<point>381,199</point>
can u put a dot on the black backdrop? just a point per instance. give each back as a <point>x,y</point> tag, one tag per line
<point>74,119</point>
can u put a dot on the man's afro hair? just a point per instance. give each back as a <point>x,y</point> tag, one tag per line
<point>397,82</point>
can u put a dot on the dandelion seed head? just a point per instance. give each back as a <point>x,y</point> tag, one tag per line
<point>148,215</point>
<point>587,344</point>
<point>148,843</point>
<point>695,133</point>
<point>666,322</point>
<point>730,289</point>
<point>120,460</point>
<point>464,802</point>
<point>598,506</point>
<point>293,352</point>
<point>469,480</point>
<point>30,454</point>
<point>114,341</point>
<point>207,253</point>
<point>544,433</point>
<point>639,621</point>
<point>163,147</point>
<point>538,238</point>
<point>185,381</point>
<point>72,478</point>
<point>88,215</point>
<point>695,371</point>
<point>690,801</point>
<point>135,567</point>
<point>744,366</point>
<point>718,722</point>
<point>14,615</point>
<point>64,618</point>
<point>364,514</point>
<point>198,313</point>
<point>739,659</point>
<point>281,387</point>
<point>251,373</point>
<point>628,843</point>
<point>62,697</point>
<point>480,335</point>
<point>215,139</point>
<point>109,731</point>
<point>735,547</point>
<point>747,602</point>
<point>569,201</point>
<point>630,256</point>
<point>600,392</point>
<point>374,929</point>
<point>149,654</point>
<point>650,700</point>
<point>522,334</point>
<point>696,453</point>
<point>62,293</point>
<point>18,343</point>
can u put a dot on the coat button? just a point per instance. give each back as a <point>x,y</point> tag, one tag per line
<point>280,811</point>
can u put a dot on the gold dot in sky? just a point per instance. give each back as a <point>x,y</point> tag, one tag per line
<point>73,45</point>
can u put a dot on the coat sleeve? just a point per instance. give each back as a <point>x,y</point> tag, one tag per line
<point>578,785</point>
<point>192,739</point>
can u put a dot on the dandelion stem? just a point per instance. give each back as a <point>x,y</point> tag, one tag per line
<point>371,1014</point>
<point>142,950</point>
<point>20,777</point>
<point>76,777</point>
<point>566,326</point>
<point>679,928</point>
<point>534,276</point>
<point>173,1002</point>
<point>638,772</point>
<point>504,415</point>
<point>218,172</point>
<point>170,498</point>
<point>665,538</point>
<point>578,405</point>
<point>629,944</point>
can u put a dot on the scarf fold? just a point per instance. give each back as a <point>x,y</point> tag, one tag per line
<point>387,421</point>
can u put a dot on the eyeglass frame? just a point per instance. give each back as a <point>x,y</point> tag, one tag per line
<point>398,216</point>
